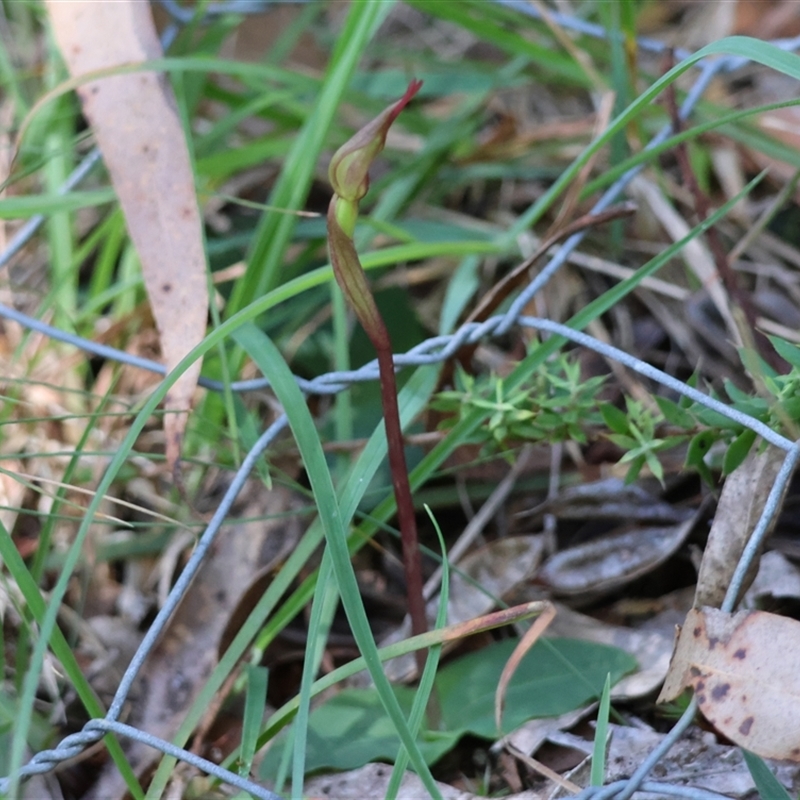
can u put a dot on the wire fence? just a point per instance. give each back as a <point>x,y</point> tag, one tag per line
<point>433,350</point>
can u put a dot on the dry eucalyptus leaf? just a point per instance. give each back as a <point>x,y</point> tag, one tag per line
<point>605,564</point>
<point>135,120</point>
<point>743,669</point>
<point>740,505</point>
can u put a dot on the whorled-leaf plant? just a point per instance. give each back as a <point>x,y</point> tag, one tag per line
<point>349,177</point>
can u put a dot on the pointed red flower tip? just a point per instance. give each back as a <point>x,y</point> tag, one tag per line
<point>413,88</point>
<point>349,167</point>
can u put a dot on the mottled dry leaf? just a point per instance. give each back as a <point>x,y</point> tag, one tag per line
<point>135,120</point>
<point>740,505</point>
<point>743,669</point>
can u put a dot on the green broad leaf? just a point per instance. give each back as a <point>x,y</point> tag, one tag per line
<point>446,400</point>
<point>556,676</point>
<point>737,451</point>
<point>464,381</point>
<point>352,729</point>
<point>41,730</point>
<point>614,418</point>
<point>575,433</point>
<point>699,447</point>
<point>769,787</point>
<point>774,385</point>
<point>786,350</point>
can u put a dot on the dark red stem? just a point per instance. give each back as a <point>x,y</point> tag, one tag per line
<point>412,561</point>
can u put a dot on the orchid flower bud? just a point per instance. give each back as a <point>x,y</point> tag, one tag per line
<point>349,174</point>
<point>349,167</point>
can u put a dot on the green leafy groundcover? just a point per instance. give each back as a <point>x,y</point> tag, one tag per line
<point>556,676</point>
